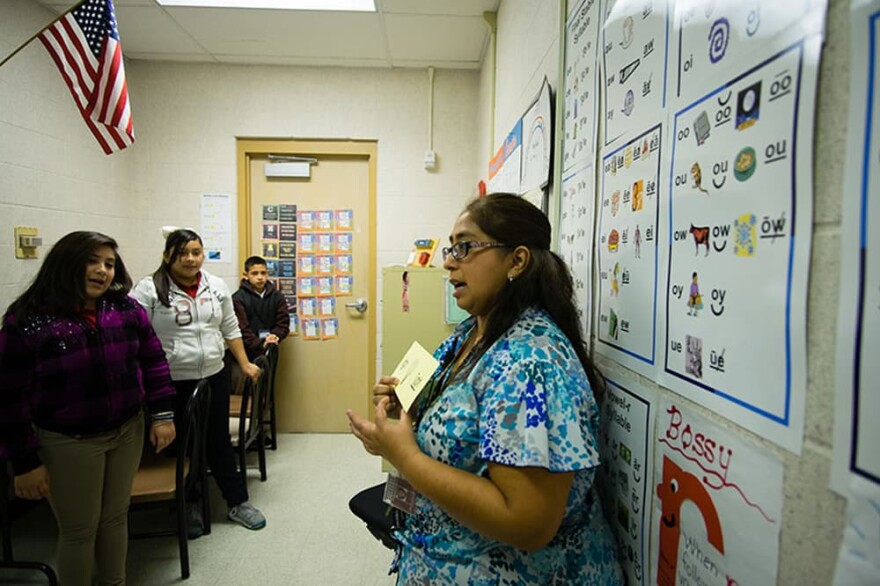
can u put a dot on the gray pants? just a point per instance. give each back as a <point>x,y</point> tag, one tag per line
<point>90,490</point>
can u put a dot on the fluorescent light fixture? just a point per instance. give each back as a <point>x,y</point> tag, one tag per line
<point>339,5</point>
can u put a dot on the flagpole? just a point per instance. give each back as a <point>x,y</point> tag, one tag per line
<point>39,32</point>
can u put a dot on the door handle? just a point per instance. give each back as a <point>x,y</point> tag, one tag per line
<point>360,305</point>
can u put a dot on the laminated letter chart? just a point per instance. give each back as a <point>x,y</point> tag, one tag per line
<point>856,433</point>
<point>581,78</point>
<point>627,443</point>
<point>635,56</point>
<point>627,251</point>
<point>739,191</point>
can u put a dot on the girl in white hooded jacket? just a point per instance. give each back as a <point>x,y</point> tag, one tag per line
<point>192,313</point>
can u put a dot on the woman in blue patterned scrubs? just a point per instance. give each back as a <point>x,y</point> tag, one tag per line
<point>501,446</point>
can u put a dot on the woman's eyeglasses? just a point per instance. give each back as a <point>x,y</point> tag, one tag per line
<point>460,250</point>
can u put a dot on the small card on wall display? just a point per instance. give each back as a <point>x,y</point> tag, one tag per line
<point>305,286</point>
<point>329,328</point>
<point>343,285</point>
<point>286,250</point>
<point>327,306</point>
<point>287,212</point>
<point>287,286</point>
<point>311,329</point>
<point>308,307</point>
<point>344,219</point>
<point>325,241</point>
<point>305,264</point>
<point>324,285</point>
<point>286,268</point>
<point>287,232</point>
<point>270,249</point>
<point>343,242</point>
<point>324,219</point>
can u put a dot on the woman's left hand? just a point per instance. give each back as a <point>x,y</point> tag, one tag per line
<point>393,440</point>
<point>162,433</point>
<point>252,371</point>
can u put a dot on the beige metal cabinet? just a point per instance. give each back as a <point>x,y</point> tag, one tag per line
<point>424,320</point>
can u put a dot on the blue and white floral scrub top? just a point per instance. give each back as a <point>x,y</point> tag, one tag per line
<point>527,402</point>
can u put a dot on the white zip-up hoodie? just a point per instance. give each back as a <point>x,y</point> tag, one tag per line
<point>192,331</point>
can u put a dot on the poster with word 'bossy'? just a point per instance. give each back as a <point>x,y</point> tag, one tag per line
<point>739,216</point>
<point>717,510</point>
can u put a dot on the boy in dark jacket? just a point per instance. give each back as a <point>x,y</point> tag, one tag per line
<point>260,308</point>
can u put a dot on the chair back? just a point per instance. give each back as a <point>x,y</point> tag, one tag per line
<point>160,479</point>
<point>271,423</point>
<point>192,454</point>
<point>251,420</point>
<point>253,404</point>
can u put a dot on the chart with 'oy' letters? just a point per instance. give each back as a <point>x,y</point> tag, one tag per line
<point>739,212</point>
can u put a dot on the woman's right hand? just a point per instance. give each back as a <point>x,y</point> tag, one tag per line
<point>385,388</point>
<point>32,485</point>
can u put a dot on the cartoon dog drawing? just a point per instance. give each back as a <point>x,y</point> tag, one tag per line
<point>677,487</point>
<point>701,236</point>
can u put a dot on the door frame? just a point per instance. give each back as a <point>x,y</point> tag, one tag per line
<point>248,148</point>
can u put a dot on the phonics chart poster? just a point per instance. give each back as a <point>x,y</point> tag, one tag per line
<point>537,137</point>
<point>576,235</point>
<point>626,243</point>
<point>717,504</point>
<point>739,191</point>
<point>635,51</point>
<point>709,40</point>
<point>581,82</point>
<point>628,414</point>
<point>858,335</point>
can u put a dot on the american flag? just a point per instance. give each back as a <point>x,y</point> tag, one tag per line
<point>84,44</point>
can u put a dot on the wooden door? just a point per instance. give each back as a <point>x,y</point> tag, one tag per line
<point>317,380</point>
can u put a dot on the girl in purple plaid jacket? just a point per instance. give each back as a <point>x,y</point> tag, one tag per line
<point>79,359</point>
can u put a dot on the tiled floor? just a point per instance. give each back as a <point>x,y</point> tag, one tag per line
<point>311,537</point>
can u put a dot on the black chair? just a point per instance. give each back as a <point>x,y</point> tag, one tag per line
<point>6,526</point>
<point>380,517</point>
<point>246,427</point>
<point>271,420</point>
<point>161,479</point>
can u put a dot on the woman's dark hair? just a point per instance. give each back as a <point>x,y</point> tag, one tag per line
<point>545,282</point>
<point>59,288</point>
<point>174,245</point>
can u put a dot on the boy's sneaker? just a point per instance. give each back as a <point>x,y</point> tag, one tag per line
<point>247,515</point>
<point>195,525</point>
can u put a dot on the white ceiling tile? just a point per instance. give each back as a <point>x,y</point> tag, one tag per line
<point>145,29</point>
<point>404,33</point>
<point>455,38</point>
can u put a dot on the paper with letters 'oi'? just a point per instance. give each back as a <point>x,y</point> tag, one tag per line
<point>414,371</point>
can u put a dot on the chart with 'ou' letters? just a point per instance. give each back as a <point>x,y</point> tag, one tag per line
<point>576,236</point>
<point>740,189</point>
